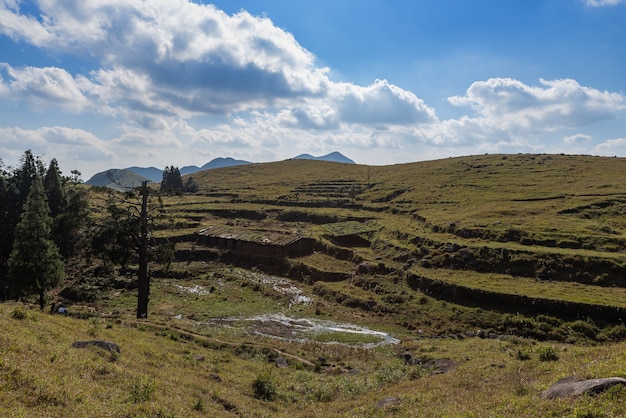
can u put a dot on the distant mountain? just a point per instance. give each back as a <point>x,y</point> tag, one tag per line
<point>134,176</point>
<point>335,157</point>
<point>154,174</point>
<point>188,169</point>
<point>215,163</point>
<point>222,162</point>
<point>117,179</point>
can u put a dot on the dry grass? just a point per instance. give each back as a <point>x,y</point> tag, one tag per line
<point>182,364</point>
<point>157,375</point>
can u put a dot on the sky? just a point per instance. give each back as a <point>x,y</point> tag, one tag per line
<point>101,84</point>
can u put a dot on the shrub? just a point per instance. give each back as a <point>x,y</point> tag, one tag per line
<point>588,329</point>
<point>614,333</point>
<point>264,386</point>
<point>18,313</point>
<point>547,353</point>
<point>142,390</point>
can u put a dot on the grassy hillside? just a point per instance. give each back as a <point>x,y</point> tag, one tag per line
<point>529,249</point>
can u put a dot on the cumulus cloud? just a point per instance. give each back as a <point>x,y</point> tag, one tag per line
<point>509,105</point>
<point>42,87</point>
<point>74,146</point>
<point>193,56</point>
<point>577,139</point>
<point>381,103</point>
<point>616,146</point>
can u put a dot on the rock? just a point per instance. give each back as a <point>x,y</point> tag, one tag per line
<point>281,362</point>
<point>439,366</point>
<point>197,357</point>
<point>387,402</point>
<point>575,386</point>
<point>105,345</point>
<point>407,357</point>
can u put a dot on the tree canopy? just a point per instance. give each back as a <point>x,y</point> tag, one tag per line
<point>172,180</point>
<point>35,263</point>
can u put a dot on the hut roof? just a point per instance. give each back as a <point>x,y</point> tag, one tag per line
<point>259,236</point>
<point>344,229</point>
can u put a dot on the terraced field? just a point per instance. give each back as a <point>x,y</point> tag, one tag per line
<point>458,287</point>
<point>547,228</point>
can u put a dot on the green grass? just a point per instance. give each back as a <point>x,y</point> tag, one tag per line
<point>198,354</point>
<point>156,375</point>
<point>533,288</point>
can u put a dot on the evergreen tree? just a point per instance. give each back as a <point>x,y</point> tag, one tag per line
<point>68,208</point>
<point>16,188</point>
<point>69,227</point>
<point>172,181</point>
<point>54,189</point>
<point>30,169</point>
<point>191,185</point>
<point>35,264</point>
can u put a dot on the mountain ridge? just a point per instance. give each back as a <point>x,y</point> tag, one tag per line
<point>155,175</point>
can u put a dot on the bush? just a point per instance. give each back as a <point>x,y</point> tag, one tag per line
<point>614,333</point>
<point>18,313</point>
<point>142,390</point>
<point>547,353</point>
<point>588,329</point>
<point>264,386</point>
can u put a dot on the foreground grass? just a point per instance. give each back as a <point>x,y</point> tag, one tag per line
<point>162,373</point>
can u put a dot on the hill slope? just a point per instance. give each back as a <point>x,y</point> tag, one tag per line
<point>336,157</point>
<point>117,179</point>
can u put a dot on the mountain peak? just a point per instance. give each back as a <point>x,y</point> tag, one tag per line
<point>335,157</point>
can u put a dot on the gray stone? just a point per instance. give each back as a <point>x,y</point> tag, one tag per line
<point>105,345</point>
<point>575,386</point>
<point>281,362</point>
<point>390,401</point>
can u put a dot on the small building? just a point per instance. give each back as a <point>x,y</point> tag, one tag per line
<point>255,241</point>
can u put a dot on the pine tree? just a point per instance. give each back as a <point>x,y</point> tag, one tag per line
<point>172,181</point>
<point>35,264</point>
<point>54,189</point>
<point>69,227</point>
<point>16,188</point>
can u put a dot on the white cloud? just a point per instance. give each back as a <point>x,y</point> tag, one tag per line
<point>600,3</point>
<point>193,56</point>
<point>74,148</point>
<point>577,139</point>
<point>43,87</point>
<point>380,103</point>
<point>508,105</point>
<point>616,146</point>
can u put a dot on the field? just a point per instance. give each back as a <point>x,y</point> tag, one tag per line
<point>381,318</point>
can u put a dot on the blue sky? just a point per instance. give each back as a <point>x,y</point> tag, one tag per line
<point>100,84</point>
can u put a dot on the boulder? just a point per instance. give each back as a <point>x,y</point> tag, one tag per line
<point>105,345</point>
<point>281,362</point>
<point>575,386</point>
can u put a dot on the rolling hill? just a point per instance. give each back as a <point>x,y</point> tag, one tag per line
<point>479,279</point>
<point>336,157</point>
<point>117,179</point>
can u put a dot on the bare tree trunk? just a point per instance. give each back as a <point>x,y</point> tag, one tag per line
<point>143,278</point>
